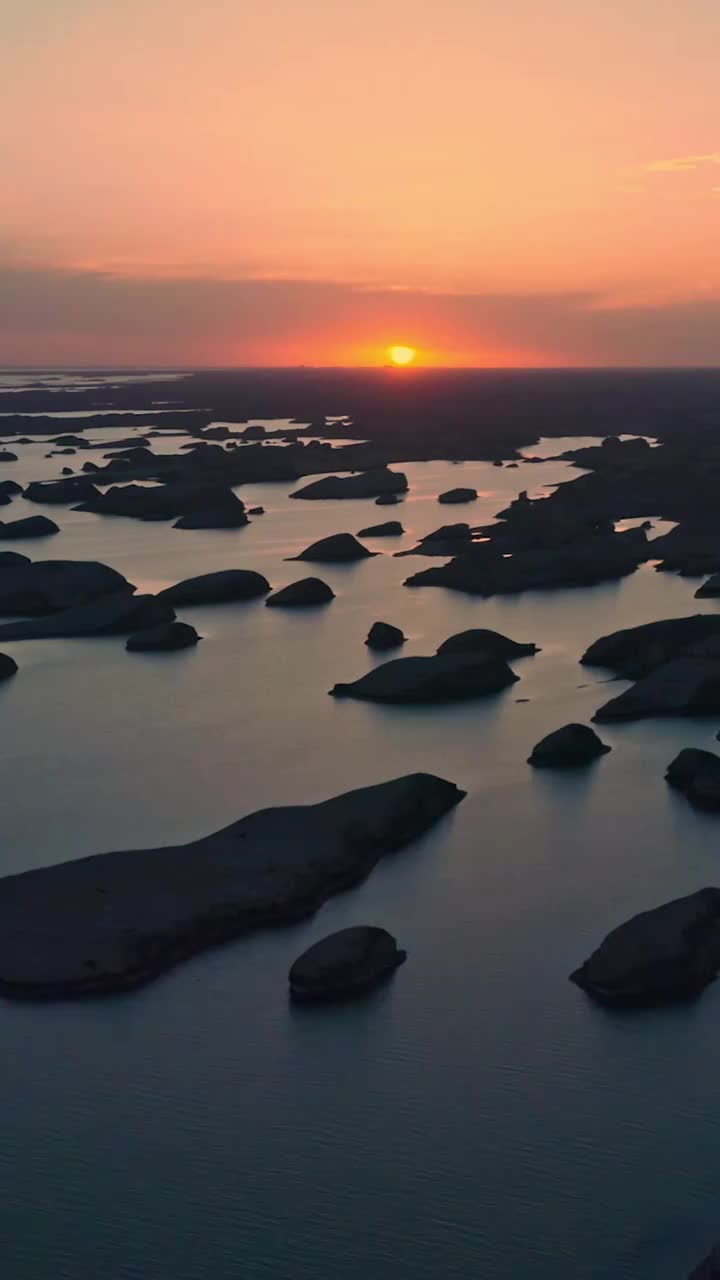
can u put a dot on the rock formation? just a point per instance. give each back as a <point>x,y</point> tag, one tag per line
<point>116,920</point>
<point>217,588</point>
<point>308,591</point>
<point>667,954</point>
<point>344,964</point>
<point>569,747</point>
<point>450,678</point>
<point>384,636</point>
<point>339,548</point>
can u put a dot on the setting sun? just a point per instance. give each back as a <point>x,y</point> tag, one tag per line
<point>402,355</point>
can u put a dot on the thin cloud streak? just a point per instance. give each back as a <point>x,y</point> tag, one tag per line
<point>683,164</point>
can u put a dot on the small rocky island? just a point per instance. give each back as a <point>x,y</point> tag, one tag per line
<point>347,963</point>
<point>670,953</point>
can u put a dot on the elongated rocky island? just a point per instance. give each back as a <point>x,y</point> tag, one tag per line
<point>669,953</point>
<point>116,920</point>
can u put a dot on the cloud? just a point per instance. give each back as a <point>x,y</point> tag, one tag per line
<point>72,316</point>
<point>683,164</point>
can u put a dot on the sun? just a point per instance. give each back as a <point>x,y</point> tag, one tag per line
<point>402,355</point>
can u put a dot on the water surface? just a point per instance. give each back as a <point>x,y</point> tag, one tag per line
<point>477,1117</point>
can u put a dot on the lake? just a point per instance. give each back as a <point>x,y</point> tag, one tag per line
<point>476,1117</point>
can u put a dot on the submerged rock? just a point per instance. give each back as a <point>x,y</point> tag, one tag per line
<point>217,588</point>
<point>30,527</point>
<point>307,591</point>
<point>697,774</point>
<point>457,495</point>
<point>339,547</point>
<point>391,529</point>
<point>667,954</point>
<point>365,484</point>
<point>344,964</point>
<point>115,614</point>
<point>8,666</point>
<point>384,636</point>
<point>480,640</point>
<point>569,747</point>
<point>116,920</point>
<point>449,678</point>
<point>166,638</point>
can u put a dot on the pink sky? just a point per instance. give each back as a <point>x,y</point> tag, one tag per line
<point>531,182</point>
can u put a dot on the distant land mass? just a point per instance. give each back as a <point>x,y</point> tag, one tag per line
<point>413,413</point>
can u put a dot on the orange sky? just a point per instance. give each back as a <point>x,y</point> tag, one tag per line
<point>492,183</point>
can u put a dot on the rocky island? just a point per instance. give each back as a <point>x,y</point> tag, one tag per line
<point>116,920</point>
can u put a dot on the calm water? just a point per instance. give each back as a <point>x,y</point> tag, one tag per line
<point>477,1117</point>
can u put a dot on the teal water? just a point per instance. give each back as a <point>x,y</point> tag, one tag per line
<point>477,1117</point>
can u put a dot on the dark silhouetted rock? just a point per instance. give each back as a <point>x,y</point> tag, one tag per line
<point>697,774</point>
<point>709,1268</point>
<point>46,586</point>
<point>7,456</point>
<point>8,666</point>
<point>338,548</point>
<point>450,678</point>
<point>573,745</point>
<point>111,615</point>
<point>482,570</point>
<point>217,588</point>
<point>635,651</point>
<point>686,686</point>
<point>172,501</point>
<point>256,511</point>
<point>67,471</point>
<point>8,488</point>
<point>116,920</point>
<point>307,591</point>
<point>391,529</point>
<point>165,638</point>
<point>10,559</point>
<point>480,640</point>
<point>344,964</point>
<point>457,495</point>
<point>667,954</point>
<point>59,492</point>
<point>229,515</point>
<point>384,636</point>
<point>450,540</point>
<point>366,484</point>
<point>30,527</point>
<point>387,500</point>
<point>709,589</point>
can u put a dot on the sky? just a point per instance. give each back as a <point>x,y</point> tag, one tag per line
<point>229,182</point>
